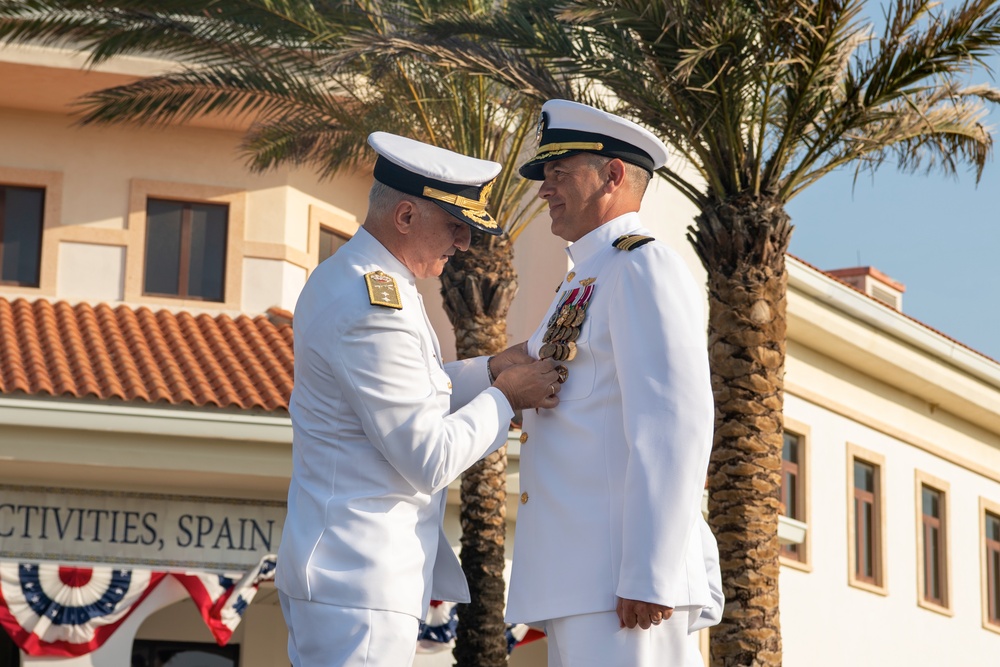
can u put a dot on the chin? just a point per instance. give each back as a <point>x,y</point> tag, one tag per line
<point>558,228</point>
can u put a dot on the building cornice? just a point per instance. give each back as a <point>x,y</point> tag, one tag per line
<point>851,328</point>
<point>202,423</point>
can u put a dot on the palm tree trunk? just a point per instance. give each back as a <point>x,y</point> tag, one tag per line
<point>478,287</point>
<point>742,244</point>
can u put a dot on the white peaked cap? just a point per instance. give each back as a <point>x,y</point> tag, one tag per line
<point>567,128</point>
<point>459,184</point>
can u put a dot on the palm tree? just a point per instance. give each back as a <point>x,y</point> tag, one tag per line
<point>285,66</point>
<point>760,99</point>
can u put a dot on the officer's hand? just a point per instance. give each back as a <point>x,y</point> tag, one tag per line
<point>644,614</point>
<point>533,385</point>
<point>513,355</point>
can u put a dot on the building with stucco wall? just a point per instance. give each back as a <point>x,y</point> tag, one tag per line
<point>160,407</point>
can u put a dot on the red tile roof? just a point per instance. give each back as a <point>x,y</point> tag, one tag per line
<point>135,354</point>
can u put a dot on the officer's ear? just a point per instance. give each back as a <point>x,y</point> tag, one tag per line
<point>405,215</point>
<point>615,175</point>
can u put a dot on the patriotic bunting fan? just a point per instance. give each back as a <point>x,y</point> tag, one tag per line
<point>437,631</point>
<point>64,611</point>
<point>53,610</point>
<point>222,599</point>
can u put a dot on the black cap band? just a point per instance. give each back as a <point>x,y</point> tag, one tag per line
<point>465,202</point>
<point>553,146</point>
<point>404,180</point>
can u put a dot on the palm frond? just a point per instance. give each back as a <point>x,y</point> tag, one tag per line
<point>313,78</point>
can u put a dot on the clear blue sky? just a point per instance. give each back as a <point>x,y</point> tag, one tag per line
<point>938,235</point>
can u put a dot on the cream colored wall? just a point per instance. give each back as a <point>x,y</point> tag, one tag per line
<point>892,409</point>
<point>668,214</point>
<point>826,622</point>
<point>245,461</point>
<point>271,282</point>
<point>261,634</point>
<point>98,178</point>
<point>76,278</point>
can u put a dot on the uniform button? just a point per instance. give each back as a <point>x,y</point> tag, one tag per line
<point>524,497</point>
<point>524,437</point>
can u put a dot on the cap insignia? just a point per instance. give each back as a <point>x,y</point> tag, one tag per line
<point>474,209</point>
<point>631,241</point>
<point>382,290</point>
<point>482,217</point>
<point>543,122</point>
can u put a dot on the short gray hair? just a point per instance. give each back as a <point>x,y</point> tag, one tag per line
<point>382,199</point>
<point>636,177</point>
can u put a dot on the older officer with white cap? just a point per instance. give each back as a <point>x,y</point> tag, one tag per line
<point>608,551</point>
<point>380,425</point>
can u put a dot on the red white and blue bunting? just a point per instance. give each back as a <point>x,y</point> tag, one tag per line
<point>64,611</point>
<point>222,598</point>
<point>437,631</point>
<point>49,609</point>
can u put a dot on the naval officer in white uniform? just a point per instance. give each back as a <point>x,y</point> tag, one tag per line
<point>380,425</point>
<point>608,554</point>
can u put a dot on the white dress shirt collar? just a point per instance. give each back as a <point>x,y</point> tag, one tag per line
<point>368,245</point>
<point>602,237</point>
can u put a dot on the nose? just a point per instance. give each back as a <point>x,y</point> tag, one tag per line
<point>463,237</point>
<point>545,190</point>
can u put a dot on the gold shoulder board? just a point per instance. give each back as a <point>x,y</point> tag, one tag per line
<point>631,241</point>
<point>382,290</point>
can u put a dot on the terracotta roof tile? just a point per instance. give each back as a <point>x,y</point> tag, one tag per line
<point>134,354</point>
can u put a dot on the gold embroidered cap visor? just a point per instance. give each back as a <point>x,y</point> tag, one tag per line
<point>465,202</point>
<point>556,144</point>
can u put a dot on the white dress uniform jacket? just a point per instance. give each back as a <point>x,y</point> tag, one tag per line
<point>380,428</point>
<point>612,478</point>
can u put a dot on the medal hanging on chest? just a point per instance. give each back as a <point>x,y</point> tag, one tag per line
<point>559,341</point>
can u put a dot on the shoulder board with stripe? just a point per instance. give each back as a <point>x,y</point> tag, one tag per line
<point>631,241</point>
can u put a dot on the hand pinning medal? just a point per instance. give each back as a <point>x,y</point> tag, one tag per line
<point>559,340</point>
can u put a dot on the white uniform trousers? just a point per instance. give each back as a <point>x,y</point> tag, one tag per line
<point>325,635</point>
<point>596,640</point>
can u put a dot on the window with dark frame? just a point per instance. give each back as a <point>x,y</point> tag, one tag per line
<point>186,249</point>
<point>154,653</point>
<point>791,489</point>
<point>933,545</point>
<point>22,212</point>
<point>993,568</point>
<point>329,242</point>
<point>867,524</point>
